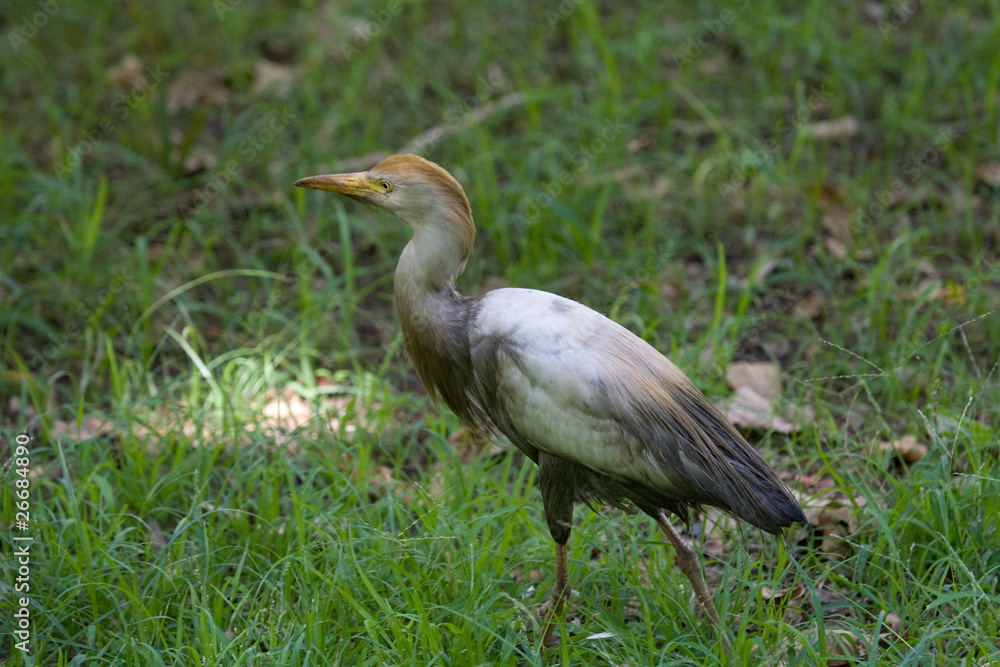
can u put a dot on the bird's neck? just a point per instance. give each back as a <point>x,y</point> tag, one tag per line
<point>436,255</point>
<point>428,266</point>
<point>435,320</point>
<point>425,285</point>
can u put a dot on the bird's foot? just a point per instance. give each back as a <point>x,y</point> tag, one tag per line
<point>549,638</point>
<point>556,608</point>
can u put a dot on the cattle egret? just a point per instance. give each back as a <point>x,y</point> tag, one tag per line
<point>606,417</point>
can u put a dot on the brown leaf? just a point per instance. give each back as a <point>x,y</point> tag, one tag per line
<point>345,414</point>
<point>199,159</point>
<point>894,623</point>
<point>157,539</point>
<point>837,217</point>
<point>835,128</point>
<point>88,429</point>
<point>639,143</point>
<point>782,595</point>
<point>714,66</point>
<point>988,172</point>
<point>127,73</point>
<point>815,483</point>
<point>838,223</point>
<point>272,77</point>
<point>836,522</point>
<point>763,377</point>
<point>379,482</point>
<point>873,11</point>
<point>658,189</point>
<point>787,598</point>
<point>835,207</point>
<point>810,307</point>
<point>285,411</point>
<point>191,89</point>
<point>907,448</point>
<point>841,643</point>
<point>836,248</point>
<point>698,128</point>
<point>748,409</point>
<point>14,409</point>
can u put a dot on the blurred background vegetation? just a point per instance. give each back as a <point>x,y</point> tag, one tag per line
<point>231,461</point>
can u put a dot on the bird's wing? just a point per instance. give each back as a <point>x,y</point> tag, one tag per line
<point>555,375</point>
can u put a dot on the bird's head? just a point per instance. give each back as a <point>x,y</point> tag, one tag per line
<point>425,197</point>
<point>416,190</point>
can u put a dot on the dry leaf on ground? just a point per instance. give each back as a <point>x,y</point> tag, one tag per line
<point>379,482</point>
<point>127,73</point>
<point>756,386</point>
<point>787,598</point>
<point>286,410</point>
<point>836,523</point>
<point>841,647</point>
<point>894,623</point>
<point>639,143</point>
<point>988,172</point>
<point>837,215</point>
<point>810,307</point>
<point>763,377</point>
<point>192,88</point>
<point>906,448</point>
<point>835,247</point>
<point>272,77</point>
<point>88,429</point>
<point>835,128</point>
<point>748,409</point>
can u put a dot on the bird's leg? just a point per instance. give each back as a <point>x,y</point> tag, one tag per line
<point>687,561</point>
<point>558,493</point>
<point>560,592</point>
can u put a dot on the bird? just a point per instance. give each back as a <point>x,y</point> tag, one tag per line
<point>608,419</point>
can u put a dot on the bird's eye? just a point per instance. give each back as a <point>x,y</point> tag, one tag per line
<point>385,185</point>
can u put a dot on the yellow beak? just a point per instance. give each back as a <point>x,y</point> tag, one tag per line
<point>348,184</point>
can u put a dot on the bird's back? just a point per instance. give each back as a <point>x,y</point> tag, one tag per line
<point>557,377</point>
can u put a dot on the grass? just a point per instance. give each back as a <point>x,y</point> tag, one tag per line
<point>162,284</point>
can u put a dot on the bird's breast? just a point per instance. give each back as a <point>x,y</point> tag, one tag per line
<point>545,373</point>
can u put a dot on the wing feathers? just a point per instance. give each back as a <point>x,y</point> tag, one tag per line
<point>559,377</point>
